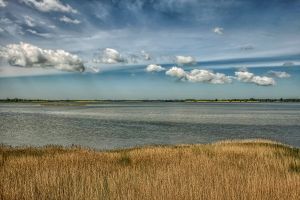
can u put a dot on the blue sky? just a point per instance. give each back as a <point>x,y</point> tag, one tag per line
<point>167,49</point>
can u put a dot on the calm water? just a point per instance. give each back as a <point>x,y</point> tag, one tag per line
<point>116,125</point>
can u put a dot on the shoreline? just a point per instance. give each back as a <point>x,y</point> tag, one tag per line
<point>147,146</point>
<point>129,102</point>
<point>89,101</point>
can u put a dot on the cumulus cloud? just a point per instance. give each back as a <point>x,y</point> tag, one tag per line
<point>27,55</point>
<point>279,74</point>
<point>248,77</point>
<point>218,30</point>
<point>110,56</point>
<point>2,4</point>
<point>69,20</point>
<point>176,72</point>
<point>154,68</point>
<point>199,76</point>
<point>185,60</point>
<point>49,5</point>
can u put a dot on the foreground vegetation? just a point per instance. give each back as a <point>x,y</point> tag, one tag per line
<point>227,170</point>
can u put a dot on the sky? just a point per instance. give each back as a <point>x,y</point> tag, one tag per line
<point>155,49</point>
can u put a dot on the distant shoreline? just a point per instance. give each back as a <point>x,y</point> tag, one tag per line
<point>77,101</point>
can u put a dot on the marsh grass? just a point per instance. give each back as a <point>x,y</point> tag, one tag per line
<point>246,169</point>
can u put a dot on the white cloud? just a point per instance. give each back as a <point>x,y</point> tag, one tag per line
<point>176,72</point>
<point>244,76</point>
<point>27,55</point>
<point>34,32</point>
<point>154,68</point>
<point>249,77</point>
<point>69,20</point>
<point>2,4</point>
<point>263,80</point>
<point>113,56</point>
<point>199,76</point>
<point>110,56</point>
<point>279,74</point>
<point>139,57</point>
<point>218,30</point>
<point>29,21</point>
<point>185,60</point>
<point>49,5</point>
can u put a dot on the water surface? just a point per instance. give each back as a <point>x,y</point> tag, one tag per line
<point>117,125</point>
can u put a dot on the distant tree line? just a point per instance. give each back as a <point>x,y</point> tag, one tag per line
<point>169,100</point>
<point>248,100</point>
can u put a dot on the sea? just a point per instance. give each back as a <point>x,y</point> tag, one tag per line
<point>116,125</point>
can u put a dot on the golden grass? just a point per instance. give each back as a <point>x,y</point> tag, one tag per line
<point>226,170</point>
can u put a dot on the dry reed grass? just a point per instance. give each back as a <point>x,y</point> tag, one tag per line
<point>225,170</point>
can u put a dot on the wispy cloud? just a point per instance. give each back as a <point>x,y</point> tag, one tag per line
<point>49,5</point>
<point>94,69</point>
<point>34,32</point>
<point>2,4</point>
<point>29,21</point>
<point>11,27</point>
<point>218,30</point>
<point>279,74</point>
<point>69,20</point>
<point>146,55</point>
<point>113,56</point>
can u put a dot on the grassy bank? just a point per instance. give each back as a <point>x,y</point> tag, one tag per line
<point>227,170</point>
